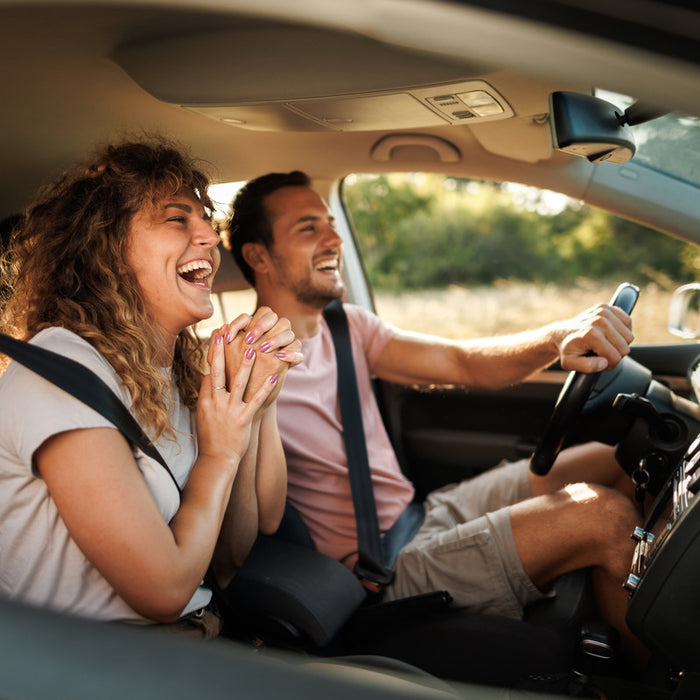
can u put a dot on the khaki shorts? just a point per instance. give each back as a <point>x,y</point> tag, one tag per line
<point>466,547</point>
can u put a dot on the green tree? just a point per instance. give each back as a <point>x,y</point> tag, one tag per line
<point>429,231</point>
<point>377,207</point>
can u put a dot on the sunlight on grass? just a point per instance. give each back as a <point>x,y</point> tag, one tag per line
<point>508,307</point>
<point>505,307</point>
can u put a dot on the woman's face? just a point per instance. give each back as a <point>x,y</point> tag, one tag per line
<point>172,252</point>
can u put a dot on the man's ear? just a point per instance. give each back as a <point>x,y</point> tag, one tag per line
<point>255,254</point>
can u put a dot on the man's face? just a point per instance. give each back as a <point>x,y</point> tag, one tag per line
<point>306,248</point>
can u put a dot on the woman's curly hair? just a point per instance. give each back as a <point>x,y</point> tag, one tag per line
<point>65,267</point>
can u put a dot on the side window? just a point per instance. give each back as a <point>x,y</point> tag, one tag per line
<point>469,258</point>
<point>232,294</point>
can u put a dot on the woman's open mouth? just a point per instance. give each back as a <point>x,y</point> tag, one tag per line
<point>196,272</point>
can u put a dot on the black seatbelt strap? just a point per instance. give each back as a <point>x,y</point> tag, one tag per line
<point>86,386</point>
<point>369,566</point>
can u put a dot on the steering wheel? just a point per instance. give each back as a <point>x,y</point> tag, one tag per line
<point>573,396</point>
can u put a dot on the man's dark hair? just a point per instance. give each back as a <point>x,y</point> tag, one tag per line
<point>249,223</point>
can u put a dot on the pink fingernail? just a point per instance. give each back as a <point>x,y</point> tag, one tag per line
<point>250,338</point>
<point>281,355</point>
<point>228,338</point>
<point>265,347</point>
<point>250,353</point>
<point>273,379</point>
<point>217,339</point>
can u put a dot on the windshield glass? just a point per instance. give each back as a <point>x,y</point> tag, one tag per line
<point>670,143</point>
<point>481,258</point>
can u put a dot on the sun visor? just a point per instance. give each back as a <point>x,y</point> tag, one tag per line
<point>327,81</point>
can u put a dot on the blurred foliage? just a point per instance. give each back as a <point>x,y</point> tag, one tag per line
<point>426,231</point>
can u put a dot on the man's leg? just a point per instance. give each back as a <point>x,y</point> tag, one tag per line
<point>496,563</point>
<point>580,526</point>
<point>592,462</point>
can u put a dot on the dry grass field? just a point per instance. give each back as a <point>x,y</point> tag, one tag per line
<point>506,307</point>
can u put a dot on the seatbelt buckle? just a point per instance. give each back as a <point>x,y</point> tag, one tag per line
<point>372,578</point>
<point>370,585</point>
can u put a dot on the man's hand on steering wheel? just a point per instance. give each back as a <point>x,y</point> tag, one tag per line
<point>601,342</point>
<point>600,339</point>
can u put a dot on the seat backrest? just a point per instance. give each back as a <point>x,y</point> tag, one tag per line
<point>293,529</point>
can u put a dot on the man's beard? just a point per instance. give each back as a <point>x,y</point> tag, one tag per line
<point>306,293</point>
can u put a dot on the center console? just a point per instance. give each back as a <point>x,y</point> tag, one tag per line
<point>664,581</point>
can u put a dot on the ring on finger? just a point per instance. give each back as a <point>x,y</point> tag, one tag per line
<point>216,388</point>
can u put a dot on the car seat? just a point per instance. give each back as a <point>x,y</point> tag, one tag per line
<point>288,595</point>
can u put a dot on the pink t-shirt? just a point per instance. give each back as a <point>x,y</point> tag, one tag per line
<point>309,422</point>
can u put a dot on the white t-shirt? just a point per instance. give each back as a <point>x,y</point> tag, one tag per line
<point>40,564</point>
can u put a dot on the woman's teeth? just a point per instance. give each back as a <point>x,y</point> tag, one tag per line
<point>195,270</point>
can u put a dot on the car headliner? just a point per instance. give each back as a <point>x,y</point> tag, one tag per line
<point>76,74</point>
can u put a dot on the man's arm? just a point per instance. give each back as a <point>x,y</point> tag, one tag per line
<point>271,474</point>
<point>239,528</point>
<point>495,363</point>
<point>257,497</point>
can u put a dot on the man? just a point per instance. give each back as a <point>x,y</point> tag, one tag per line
<point>494,542</point>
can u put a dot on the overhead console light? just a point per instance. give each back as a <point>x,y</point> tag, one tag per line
<point>481,103</point>
<point>590,127</point>
<point>407,108</point>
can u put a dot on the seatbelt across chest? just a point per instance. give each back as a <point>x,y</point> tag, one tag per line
<point>369,566</point>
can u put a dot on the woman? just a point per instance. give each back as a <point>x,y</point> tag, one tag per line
<point>111,266</point>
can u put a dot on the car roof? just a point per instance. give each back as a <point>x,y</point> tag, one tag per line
<point>258,85</point>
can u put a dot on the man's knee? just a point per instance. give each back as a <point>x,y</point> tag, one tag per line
<point>611,509</point>
<point>609,517</point>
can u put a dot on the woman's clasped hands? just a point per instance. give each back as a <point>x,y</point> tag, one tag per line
<point>248,360</point>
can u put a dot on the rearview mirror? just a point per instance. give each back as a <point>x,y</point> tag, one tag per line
<point>684,312</point>
<point>590,127</point>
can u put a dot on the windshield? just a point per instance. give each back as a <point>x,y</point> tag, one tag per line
<point>670,143</point>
